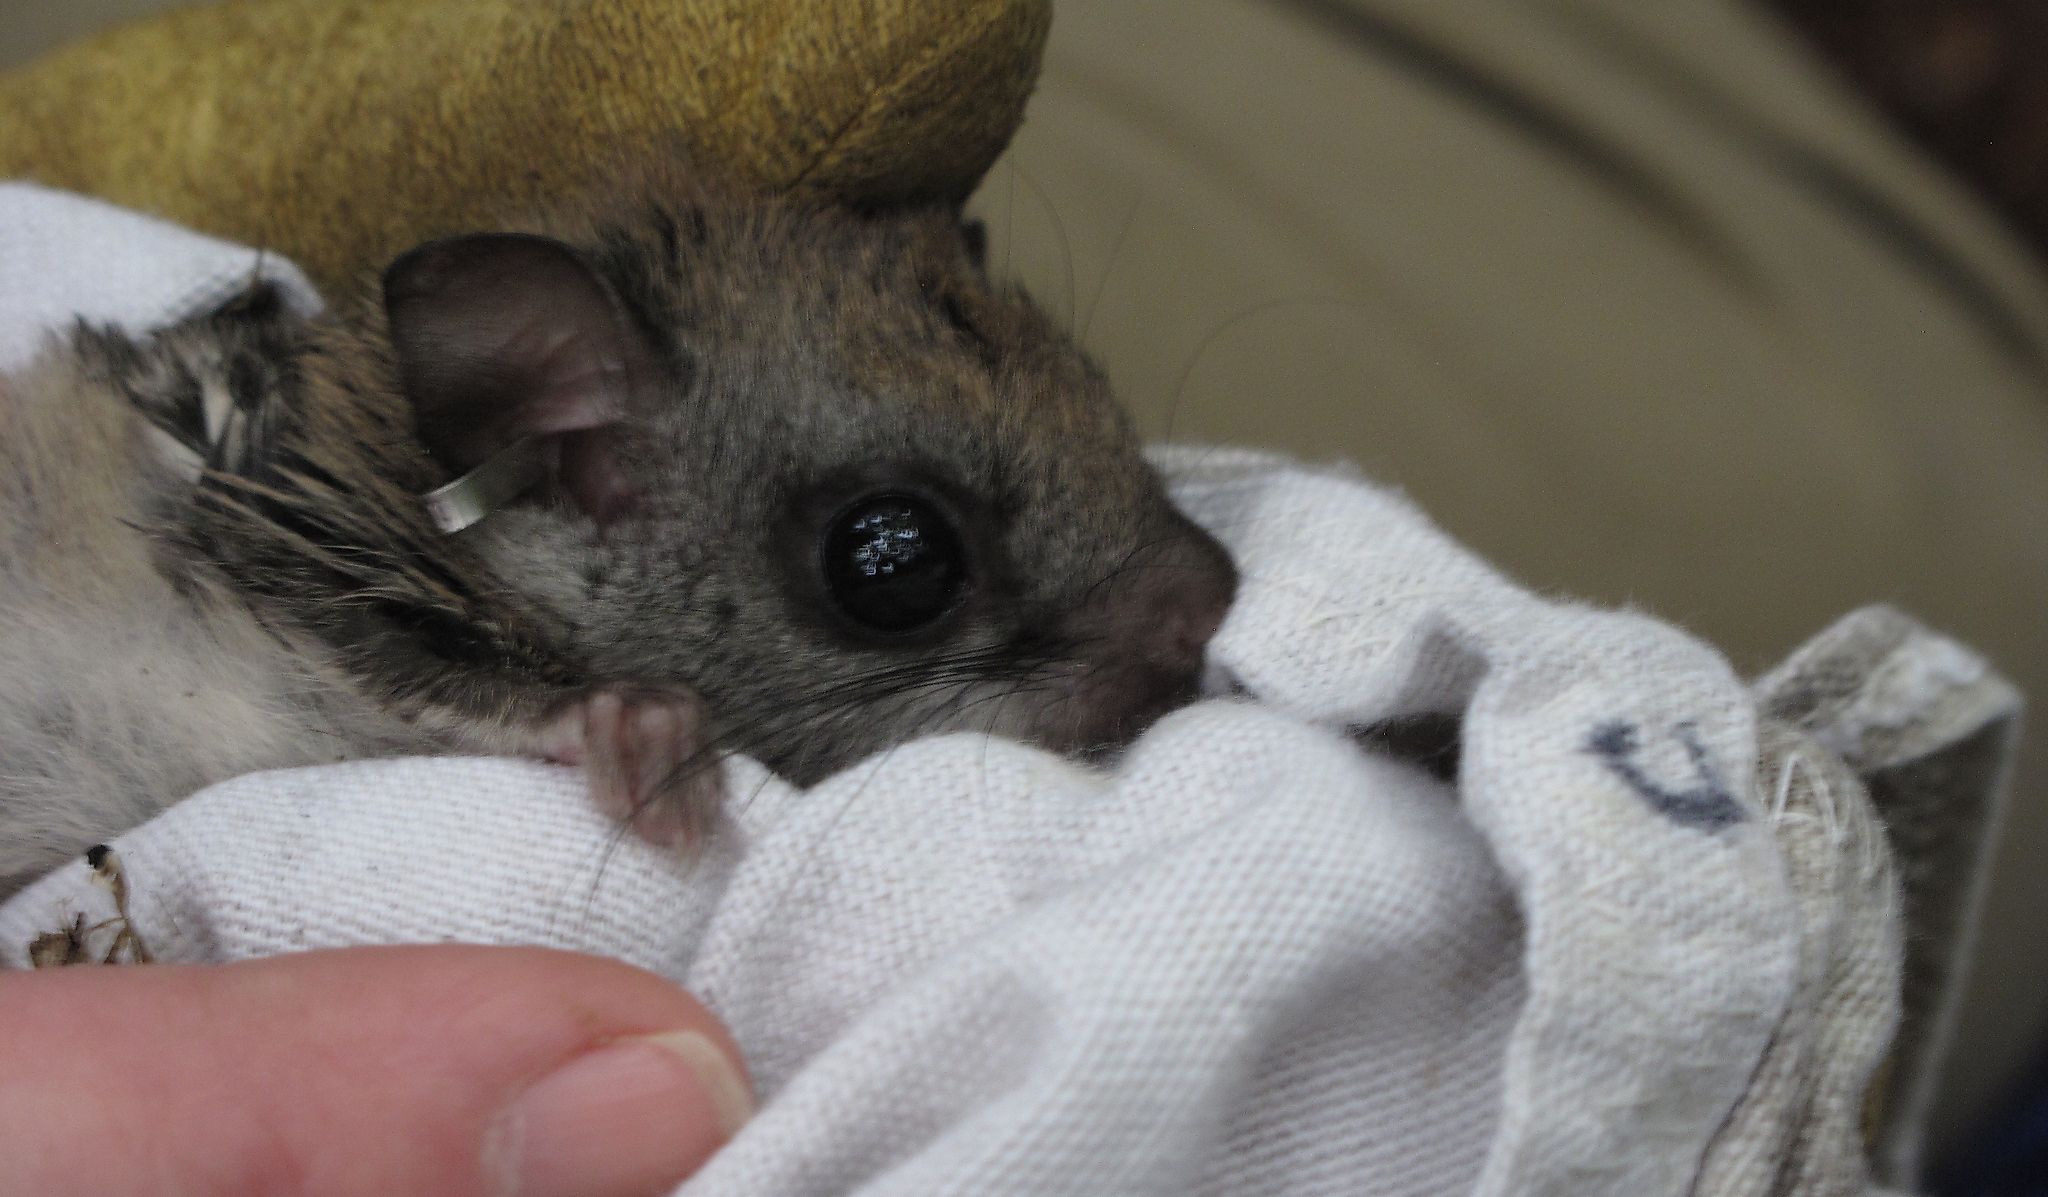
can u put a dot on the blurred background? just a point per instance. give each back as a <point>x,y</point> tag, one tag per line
<point>1732,310</point>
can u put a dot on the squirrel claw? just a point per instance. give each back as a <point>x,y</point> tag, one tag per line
<point>645,756</point>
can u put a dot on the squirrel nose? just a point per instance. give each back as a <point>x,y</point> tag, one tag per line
<point>1181,593</point>
<point>1143,634</point>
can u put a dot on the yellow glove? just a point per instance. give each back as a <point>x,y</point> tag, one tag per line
<point>338,132</point>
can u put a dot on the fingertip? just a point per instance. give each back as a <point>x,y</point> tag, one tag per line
<point>632,1116</point>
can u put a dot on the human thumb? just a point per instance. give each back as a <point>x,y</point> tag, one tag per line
<point>443,1070</point>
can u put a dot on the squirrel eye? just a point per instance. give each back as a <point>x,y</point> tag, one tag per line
<point>894,563</point>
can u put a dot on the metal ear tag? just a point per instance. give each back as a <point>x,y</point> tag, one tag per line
<point>515,470</point>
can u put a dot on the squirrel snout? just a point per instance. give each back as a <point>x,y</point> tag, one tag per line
<point>1180,598</point>
<point>1149,625</point>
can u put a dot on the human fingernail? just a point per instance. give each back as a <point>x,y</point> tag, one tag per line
<point>630,1117</point>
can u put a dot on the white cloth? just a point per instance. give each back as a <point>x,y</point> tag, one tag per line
<point>64,256</point>
<point>1259,956</point>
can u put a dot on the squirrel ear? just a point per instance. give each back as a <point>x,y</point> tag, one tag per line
<point>505,336</point>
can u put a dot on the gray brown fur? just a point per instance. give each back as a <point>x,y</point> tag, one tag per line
<point>194,602</point>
